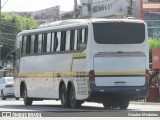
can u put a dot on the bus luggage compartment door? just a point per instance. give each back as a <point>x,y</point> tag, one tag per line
<point>119,70</point>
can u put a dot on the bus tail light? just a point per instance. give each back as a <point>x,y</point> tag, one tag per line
<point>147,75</point>
<point>91,75</point>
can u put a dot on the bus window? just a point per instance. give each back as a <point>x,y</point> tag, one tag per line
<point>55,41</point>
<point>68,37</point>
<point>59,41</point>
<point>72,39</point>
<point>28,44</point>
<point>83,35</point>
<point>86,35</point>
<point>32,44</point>
<point>36,44</point>
<point>79,38</point>
<point>24,45</point>
<point>52,42</point>
<point>75,40</point>
<point>49,42</point>
<point>39,43</point>
<point>44,42</point>
<point>119,33</point>
<point>63,41</point>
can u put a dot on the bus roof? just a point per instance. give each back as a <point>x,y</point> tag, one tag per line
<point>73,22</point>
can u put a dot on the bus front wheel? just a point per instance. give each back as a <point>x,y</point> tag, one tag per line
<point>74,103</point>
<point>26,100</point>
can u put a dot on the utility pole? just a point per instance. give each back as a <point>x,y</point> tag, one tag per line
<point>131,7</point>
<point>90,8</point>
<point>0,10</point>
<point>75,9</point>
<point>0,19</point>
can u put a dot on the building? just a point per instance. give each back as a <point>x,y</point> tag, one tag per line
<point>152,17</point>
<point>45,15</point>
<point>111,8</point>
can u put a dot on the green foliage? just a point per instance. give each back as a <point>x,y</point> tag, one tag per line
<point>153,43</point>
<point>10,27</point>
<point>16,23</point>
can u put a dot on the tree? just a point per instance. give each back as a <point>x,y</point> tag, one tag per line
<point>153,43</point>
<point>10,27</point>
<point>17,23</point>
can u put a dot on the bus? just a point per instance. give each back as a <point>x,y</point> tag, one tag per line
<point>95,60</point>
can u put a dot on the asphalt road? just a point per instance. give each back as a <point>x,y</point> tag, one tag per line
<point>89,109</point>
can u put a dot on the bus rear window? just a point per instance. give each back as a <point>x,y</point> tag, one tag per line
<point>119,33</point>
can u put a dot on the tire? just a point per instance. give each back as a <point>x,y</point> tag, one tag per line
<point>16,98</point>
<point>64,97</point>
<point>26,100</point>
<point>3,96</point>
<point>107,104</point>
<point>123,104</point>
<point>73,102</point>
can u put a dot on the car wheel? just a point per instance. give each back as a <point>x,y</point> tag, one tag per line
<point>64,97</point>
<point>3,96</point>
<point>26,100</point>
<point>74,103</point>
<point>16,98</point>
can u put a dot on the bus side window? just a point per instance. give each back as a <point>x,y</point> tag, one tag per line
<point>39,43</point>
<point>44,42</point>
<point>85,35</point>
<point>58,41</point>
<point>79,38</point>
<point>52,42</point>
<point>55,41</point>
<point>24,45</point>
<point>72,36</point>
<point>63,41</point>
<point>76,40</point>
<point>49,42</point>
<point>36,44</point>
<point>28,44</point>
<point>32,44</point>
<point>68,38</point>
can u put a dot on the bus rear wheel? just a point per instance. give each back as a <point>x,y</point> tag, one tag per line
<point>123,104</point>
<point>64,97</point>
<point>74,103</point>
<point>26,100</point>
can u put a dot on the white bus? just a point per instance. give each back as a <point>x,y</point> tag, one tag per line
<point>97,60</point>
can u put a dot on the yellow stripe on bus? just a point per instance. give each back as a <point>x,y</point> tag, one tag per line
<point>76,74</point>
<point>121,73</point>
<point>76,55</point>
<point>53,74</point>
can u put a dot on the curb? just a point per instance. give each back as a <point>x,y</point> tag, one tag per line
<point>145,103</point>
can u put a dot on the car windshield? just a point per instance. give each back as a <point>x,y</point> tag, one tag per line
<point>119,33</point>
<point>9,79</point>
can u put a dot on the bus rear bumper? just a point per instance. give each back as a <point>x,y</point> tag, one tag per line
<point>129,92</point>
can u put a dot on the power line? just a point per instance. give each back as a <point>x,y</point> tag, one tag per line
<point>4,4</point>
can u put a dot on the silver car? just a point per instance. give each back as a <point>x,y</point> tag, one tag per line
<point>6,87</point>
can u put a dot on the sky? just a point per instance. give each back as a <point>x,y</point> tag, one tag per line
<point>34,5</point>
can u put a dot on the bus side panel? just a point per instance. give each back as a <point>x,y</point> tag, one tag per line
<point>81,80</point>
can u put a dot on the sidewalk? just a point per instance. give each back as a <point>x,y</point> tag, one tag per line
<point>145,103</point>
